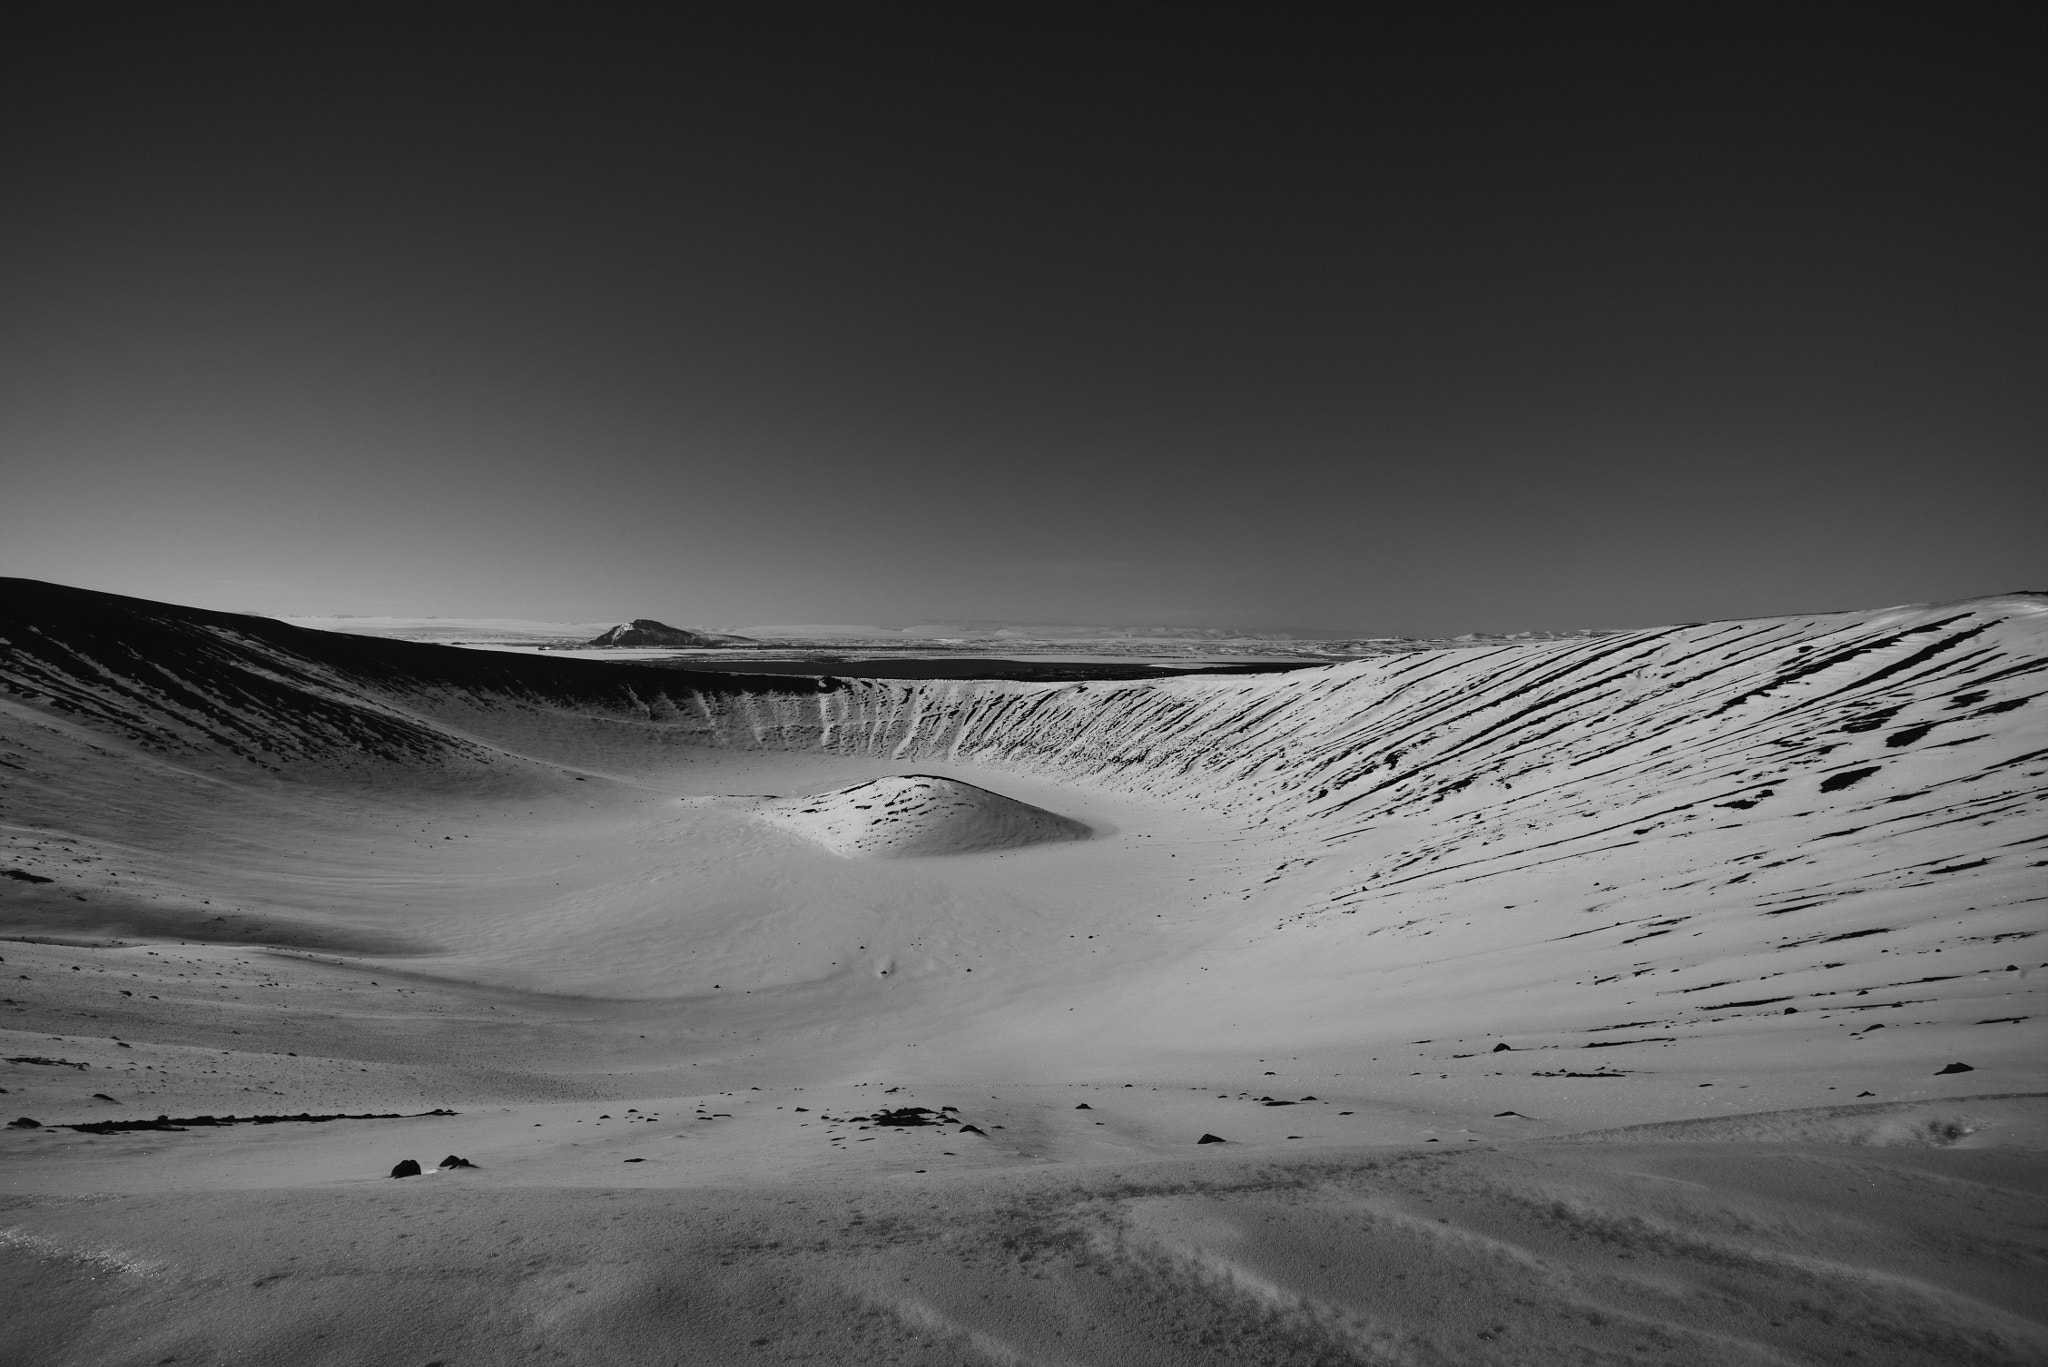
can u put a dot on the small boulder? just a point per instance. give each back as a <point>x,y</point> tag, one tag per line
<point>451,1161</point>
<point>1502,1048</point>
<point>409,1168</point>
<point>1956,1068</point>
<point>1084,1106</point>
<point>1212,1139</point>
<point>24,1124</point>
<point>972,1129</point>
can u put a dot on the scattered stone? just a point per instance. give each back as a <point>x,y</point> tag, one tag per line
<point>101,1096</point>
<point>633,1160</point>
<point>904,1116</point>
<point>1517,1114</point>
<point>1084,1106</point>
<point>973,1129</point>
<point>1864,1094</point>
<point>1212,1139</point>
<point>24,1124</point>
<point>451,1161</point>
<point>1276,1103</point>
<point>1956,1068</point>
<point>50,1062</point>
<point>409,1168</point>
<point>1502,1048</point>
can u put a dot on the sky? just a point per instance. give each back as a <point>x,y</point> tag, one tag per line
<point>1584,317</point>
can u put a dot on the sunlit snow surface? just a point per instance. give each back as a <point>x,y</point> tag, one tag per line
<point>1765,882</point>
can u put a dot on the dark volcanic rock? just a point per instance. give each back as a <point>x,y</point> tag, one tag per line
<point>645,631</point>
<point>408,1168</point>
<point>165,1122</point>
<point>904,1115</point>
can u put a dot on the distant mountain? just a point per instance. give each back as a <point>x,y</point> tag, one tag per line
<point>645,631</point>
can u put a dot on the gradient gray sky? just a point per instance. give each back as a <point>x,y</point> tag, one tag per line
<point>1577,319</point>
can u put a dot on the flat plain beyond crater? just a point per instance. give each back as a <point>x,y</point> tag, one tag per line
<point>1659,996</point>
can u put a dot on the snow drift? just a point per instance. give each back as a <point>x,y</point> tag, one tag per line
<point>916,814</point>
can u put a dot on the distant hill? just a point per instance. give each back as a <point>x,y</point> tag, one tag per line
<point>645,631</point>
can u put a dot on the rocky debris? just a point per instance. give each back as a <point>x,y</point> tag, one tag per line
<point>632,1160</point>
<point>1270,1102</point>
<point>905,1116</point>
<point>1084,1106</point>
<point>1956,1068</point>
<point>50,1062</point>
<point>1212,1139</point>
<point>1502,1048</point>
<point>24,876</point>
<point>1604,1072</point>
<point>451,1161</point>
<point>1498,1115</point>
<point>1834,783</point>
<point>101,1096</point>
<point>973,1129</point>
<point>24,1124</point>
<point>408,1168</point>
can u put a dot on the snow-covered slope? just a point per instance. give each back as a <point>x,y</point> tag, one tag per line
<point>915,814</point>
<point>1754,840</point>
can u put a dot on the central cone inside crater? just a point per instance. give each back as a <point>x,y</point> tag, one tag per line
<point>917,814</point>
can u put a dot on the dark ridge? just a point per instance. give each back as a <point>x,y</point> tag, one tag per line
<point>988,667</point>
<point>166,677</point>
<point>200,1122</point>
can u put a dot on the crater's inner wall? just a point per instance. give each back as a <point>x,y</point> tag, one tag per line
<point>1571,726</point>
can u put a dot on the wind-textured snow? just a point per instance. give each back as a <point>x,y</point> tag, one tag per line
<point>1769,893</point>
<point>915,814</point>
<point>1725,808</point>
